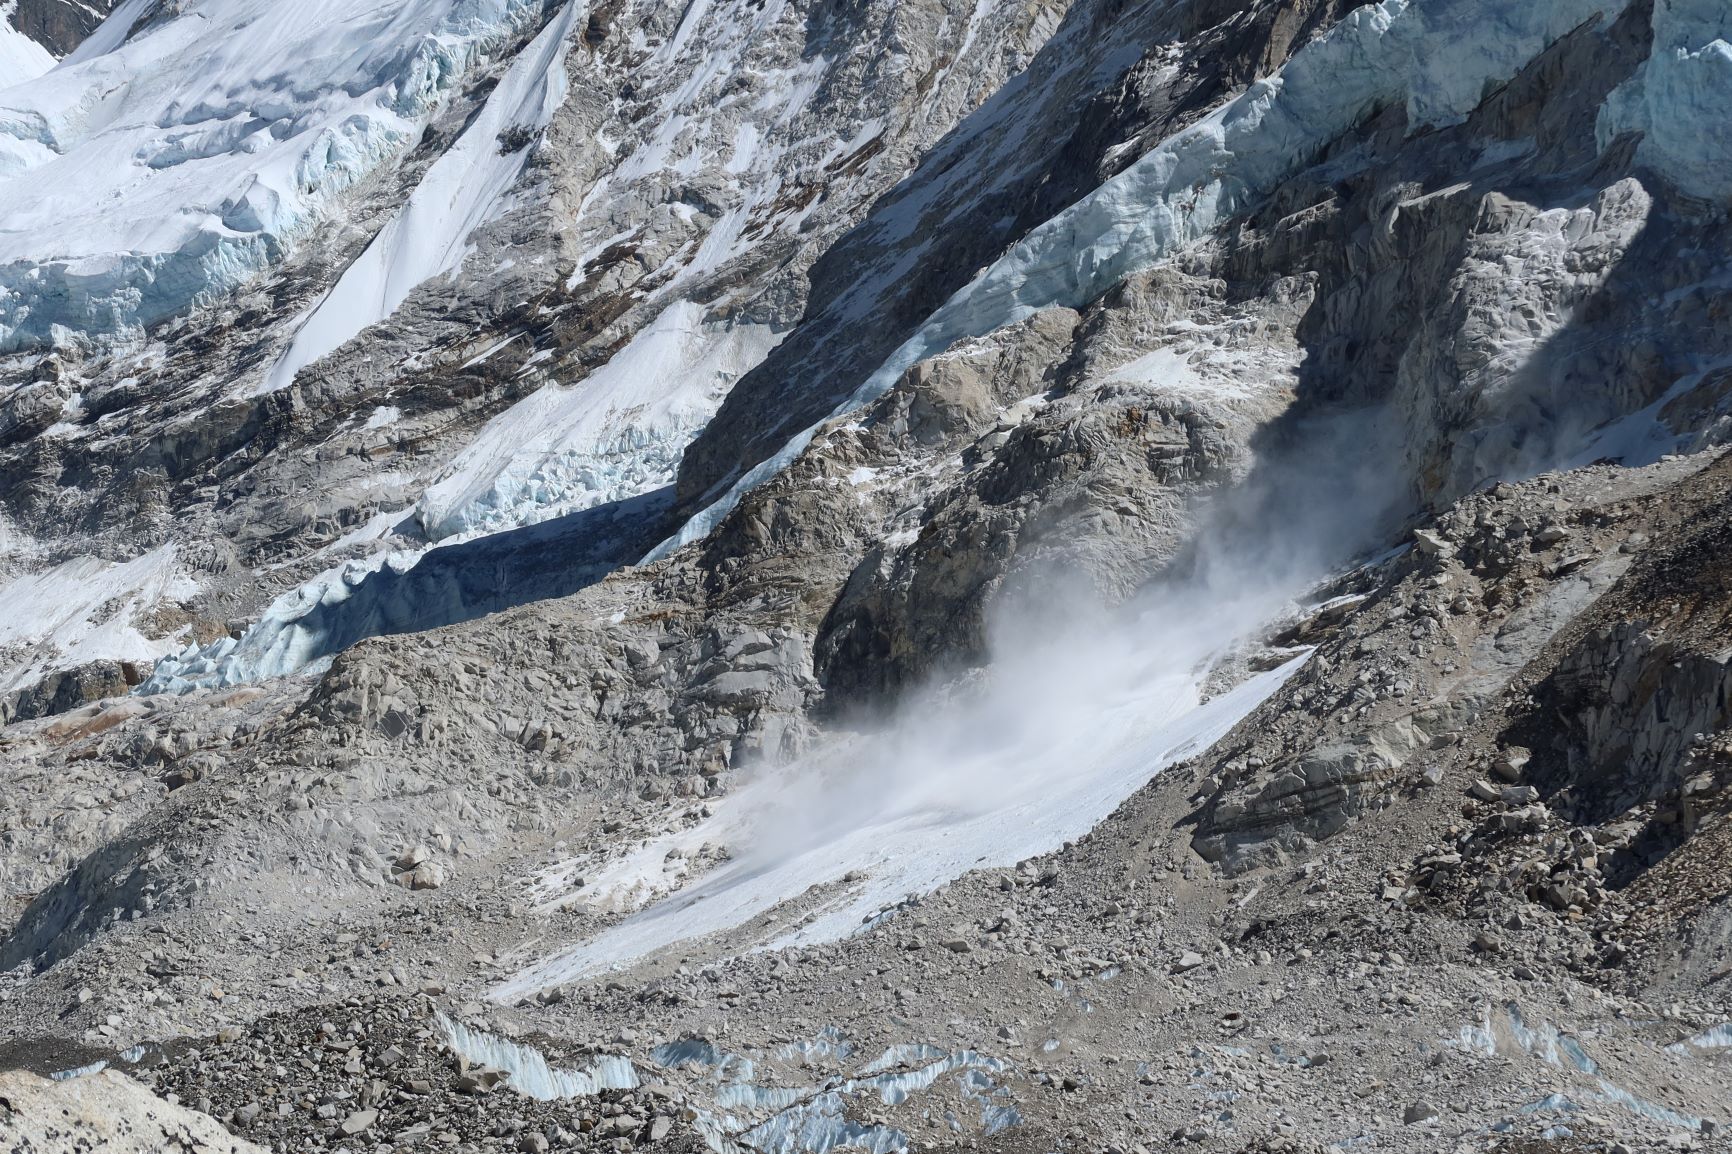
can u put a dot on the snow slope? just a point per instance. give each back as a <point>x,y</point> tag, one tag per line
<point>461,191</point>
<point>1679,97</point>
<point>21,58</point>
<point>146,173</point>
<point>1062,735</point>
<point>84,610</point>
<point>617,433</point>
<point>1437,58</point>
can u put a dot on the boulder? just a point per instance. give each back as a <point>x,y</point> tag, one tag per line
<point>106,1111</point>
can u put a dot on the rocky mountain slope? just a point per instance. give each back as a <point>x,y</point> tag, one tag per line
<point>785,576</point>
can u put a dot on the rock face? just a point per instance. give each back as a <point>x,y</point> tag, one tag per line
<point>60,25</point>
<point>798,575</point>
<point>104,1111</point>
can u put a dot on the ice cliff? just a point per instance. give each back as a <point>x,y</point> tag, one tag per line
<point>1678,99</point>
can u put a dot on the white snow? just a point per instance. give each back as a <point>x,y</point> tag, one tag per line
<point>383,417</point>
<point>149,171</point>
<point>1438,58</point>
<point>428,237</point>
<point>1204,373</point>
<point>21,58</point>
<point>617,433</point>
<point>83,610</point>
<point>1060,739</point>
<point>1679,98</point>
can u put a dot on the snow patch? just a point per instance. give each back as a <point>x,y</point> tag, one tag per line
<point>85,610</point>
<point>617,433</point>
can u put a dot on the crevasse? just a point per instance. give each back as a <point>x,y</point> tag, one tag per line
<point>1437,58</point>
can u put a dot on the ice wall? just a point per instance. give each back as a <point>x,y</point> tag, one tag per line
<point>1680,100</point>
<point>530,1073</point>
<point>414,590</point>
<point>462,190</point>
<point>1437,58</point>
<point>147,172</point>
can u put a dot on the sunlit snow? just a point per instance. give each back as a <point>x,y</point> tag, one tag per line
<point>148,171</point>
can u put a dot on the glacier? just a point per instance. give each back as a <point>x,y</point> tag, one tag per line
<point>149,172</point>
<point>607,444</point>
<point>1437,59</point>
<point>1678,99</point>
<point>461,191</point>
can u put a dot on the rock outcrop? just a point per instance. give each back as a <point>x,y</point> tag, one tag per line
<point>104,1111</point>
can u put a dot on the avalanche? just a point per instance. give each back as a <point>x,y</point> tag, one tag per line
<point>910,812</point>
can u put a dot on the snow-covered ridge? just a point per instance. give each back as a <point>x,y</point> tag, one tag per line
<point>1679,98</point>
<point>1436,58</point>
<point>140,177</point>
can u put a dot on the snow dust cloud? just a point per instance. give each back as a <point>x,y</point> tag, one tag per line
<point>1080,704</point>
